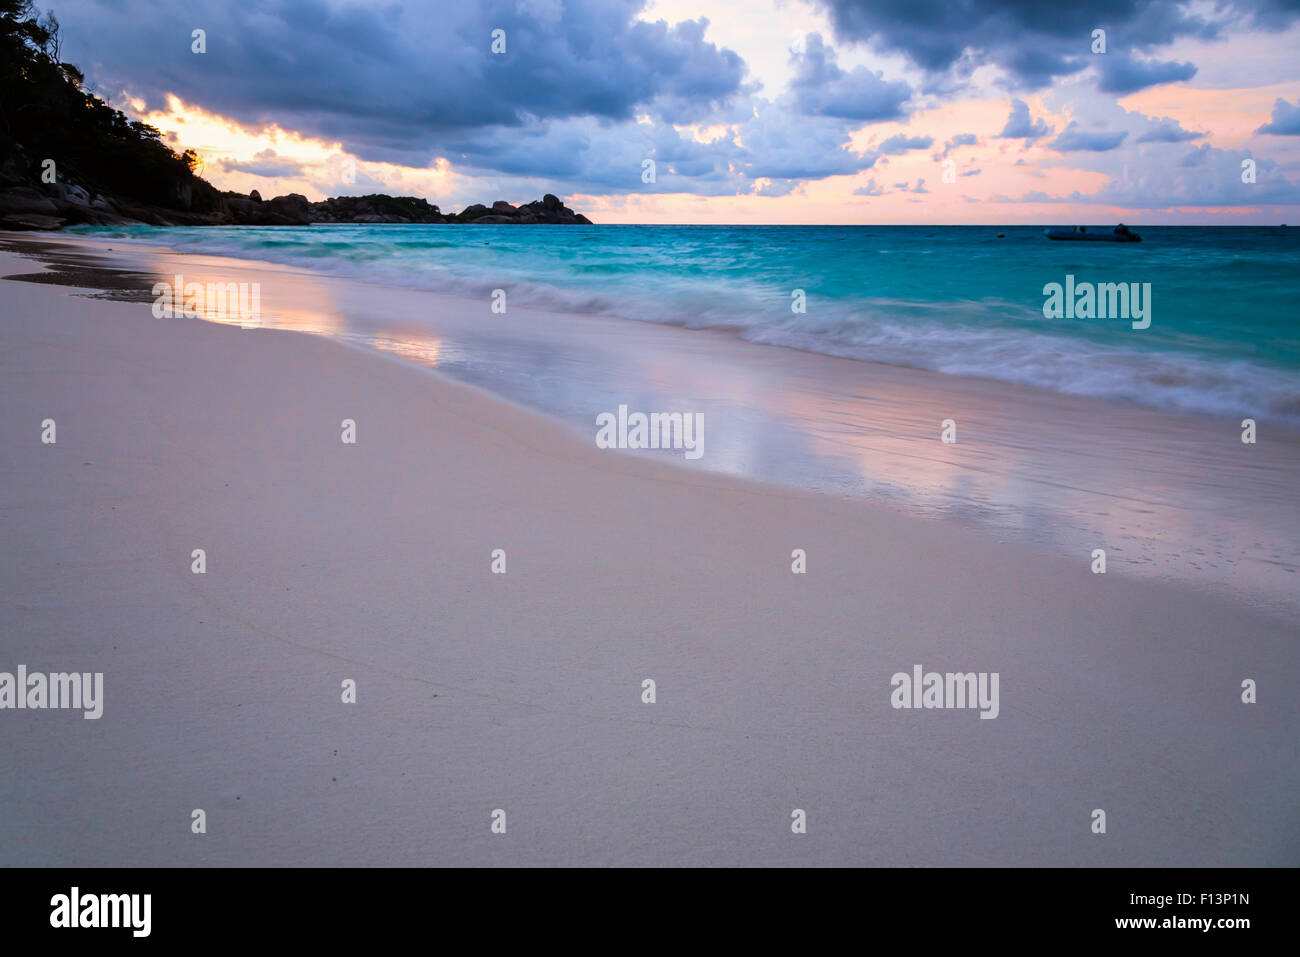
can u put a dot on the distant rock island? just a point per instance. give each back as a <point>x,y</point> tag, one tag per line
<point>378,208</point>
<point>26,203</point>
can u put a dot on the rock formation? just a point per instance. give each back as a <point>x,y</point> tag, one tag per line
<point>27,203</point>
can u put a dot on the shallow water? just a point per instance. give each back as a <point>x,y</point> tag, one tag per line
<point>1224,334</point>
<point>1170,495</point>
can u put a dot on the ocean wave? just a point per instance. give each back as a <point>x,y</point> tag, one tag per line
<point>697,285</point>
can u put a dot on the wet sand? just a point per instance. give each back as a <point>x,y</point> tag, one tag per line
<point>523,691</point>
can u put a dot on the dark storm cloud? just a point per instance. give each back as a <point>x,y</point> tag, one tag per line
<point>1036,41</point>
<point>1124,74</point>
<point>394,82</point>
<point>822,88</point>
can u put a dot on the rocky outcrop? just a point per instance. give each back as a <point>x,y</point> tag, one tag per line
<point>410,209</point>
<point>290,210</point>
<point>26,207</point>
<point>547,210</point>
<point>376,208</point>
<point>27,203</point>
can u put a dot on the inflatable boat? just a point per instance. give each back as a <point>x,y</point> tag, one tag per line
<point>1120,234</point>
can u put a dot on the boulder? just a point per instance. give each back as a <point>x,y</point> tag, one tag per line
<point>238,209</point>
<point>255,196</point>
<point>290,210</point>
<point>294,209</point>
<point>26,200</point>
<point>551,211</point>
<point>68,193</point>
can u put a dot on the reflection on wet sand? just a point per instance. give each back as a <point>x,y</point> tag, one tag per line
<point>256,296</point>
<point>1171,495</point>
<point>424,350</point>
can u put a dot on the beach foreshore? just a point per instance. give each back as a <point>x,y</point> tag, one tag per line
<point>372,562</point>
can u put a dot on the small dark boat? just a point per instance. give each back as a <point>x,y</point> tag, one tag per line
<point>1120,234</point>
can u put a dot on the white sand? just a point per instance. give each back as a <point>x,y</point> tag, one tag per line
<point>522,691</point>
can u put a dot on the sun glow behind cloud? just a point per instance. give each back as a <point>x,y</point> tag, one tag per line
<point>314,167</point>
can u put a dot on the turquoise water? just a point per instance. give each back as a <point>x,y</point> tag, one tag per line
<point>1224,335</point>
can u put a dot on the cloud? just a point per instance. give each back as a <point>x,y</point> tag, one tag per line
<point>871,189</point>
<point>822,88</point>
<point>1214,179</point>
<point>587,91</point>
<point>585,154</point>
<point>1205,178</point>
<point>1073,138</point>
<point>395,82</point>
<point>784,145</point>
<point>1124,74</point>
<point>1021,127</point>
<point>961,139</point>
<point>264,163</point>
<point>1285,120</point>
<point>1158,174</point>
<point>1165,130</point>
<point>1034,43</point>
<point>584,93</point>
<point>902,143</point>
<point>781,147</point>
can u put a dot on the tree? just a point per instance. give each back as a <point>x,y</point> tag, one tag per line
<point>46,114</point>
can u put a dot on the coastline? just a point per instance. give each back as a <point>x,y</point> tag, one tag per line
<point>1172,496</point>
<point>522,691</point>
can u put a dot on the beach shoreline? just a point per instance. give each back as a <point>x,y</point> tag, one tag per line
<point>524,691</point>
<point>1172,495</point>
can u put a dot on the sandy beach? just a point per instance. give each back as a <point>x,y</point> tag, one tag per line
<point>523,691</point>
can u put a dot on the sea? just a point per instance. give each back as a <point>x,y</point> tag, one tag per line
<point>836,358</point>
<point>1223,338</point>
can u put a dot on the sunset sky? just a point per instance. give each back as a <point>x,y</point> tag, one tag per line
<point>753,111</point>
